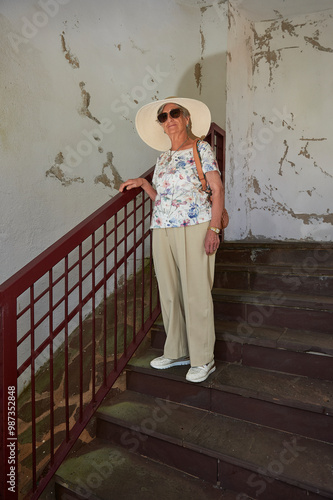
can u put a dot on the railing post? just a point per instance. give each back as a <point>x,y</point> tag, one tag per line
<point>8,401</point>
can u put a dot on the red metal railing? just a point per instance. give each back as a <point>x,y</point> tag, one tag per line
<point>97,279</point>
<point>69,323</point>
<point>216,138</point>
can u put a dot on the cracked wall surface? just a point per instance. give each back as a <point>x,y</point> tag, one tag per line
<point>280,151</point>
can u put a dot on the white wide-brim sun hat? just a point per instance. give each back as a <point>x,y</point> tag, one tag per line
<point>151,131</point>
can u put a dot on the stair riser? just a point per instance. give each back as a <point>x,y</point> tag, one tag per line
<point>294,420</point>
<point>280,316</point>
<point>256,485</point>
<point>252,280</point>
<point>306,258</point>
<point>269,358</point>
<point>213,469</point>
<point>297,363</point>
<point>62,493</point>
<point>166,452</point>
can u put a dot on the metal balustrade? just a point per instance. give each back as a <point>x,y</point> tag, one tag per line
<point>69,323</point>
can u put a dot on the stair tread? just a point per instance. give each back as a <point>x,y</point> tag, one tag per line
<point>283,299</point>
<point>128,475</point>
<point>289,390</point>
<point>283,338</point>
<point>280,388</point>
<point>269,336</point>
<point>238,442</point>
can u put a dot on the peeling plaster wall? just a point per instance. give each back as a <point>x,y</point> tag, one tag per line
<point>73,75</point>
<point>280,160</point>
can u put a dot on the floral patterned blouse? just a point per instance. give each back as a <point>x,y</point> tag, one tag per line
<point>180,200</point>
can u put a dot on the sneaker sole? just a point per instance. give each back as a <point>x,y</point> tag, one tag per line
<point>202,379</point>
<point>175,363</point>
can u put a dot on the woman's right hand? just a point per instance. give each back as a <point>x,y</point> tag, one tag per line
<point>140,182</point>
<point>131,184</point>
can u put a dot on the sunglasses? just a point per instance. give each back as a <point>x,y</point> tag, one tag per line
<point>174,113</point>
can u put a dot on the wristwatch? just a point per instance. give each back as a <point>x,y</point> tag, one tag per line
<point>216,230</point>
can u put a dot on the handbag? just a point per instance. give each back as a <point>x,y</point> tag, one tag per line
<point>225,215</point>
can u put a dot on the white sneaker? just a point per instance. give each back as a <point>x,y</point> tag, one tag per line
<point>200,373</point>
<point>162,362</point>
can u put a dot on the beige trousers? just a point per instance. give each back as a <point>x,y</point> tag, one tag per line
<point>185,277</point>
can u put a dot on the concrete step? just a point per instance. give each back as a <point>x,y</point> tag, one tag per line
<point>288,339</point>
<point>287,350</point>
<point>244,457</point>
<point>276,308</point>
<point>303,255</point>
<point>292,359</point>
<point>317,281</point>
<point>298,352</point>
<point>103,471</point>
<point>282,401</point>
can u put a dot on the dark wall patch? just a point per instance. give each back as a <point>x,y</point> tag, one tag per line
<point>283,157</point>
<point>73,60</point>
<point>256,186</point>
<point>112,181</point>
<point>263,50</point>
<point>289,28</point>
<point>198,76</point>
<point>57,172</point>
<point>203,42</point>
<point>84,110</point>
<point>314,42</point>
<point>304,152</point>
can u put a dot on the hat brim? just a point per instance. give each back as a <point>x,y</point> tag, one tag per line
<point>150,130</point>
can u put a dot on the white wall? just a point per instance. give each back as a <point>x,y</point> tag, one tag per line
<point>73,74</point>
<point>280,128</point>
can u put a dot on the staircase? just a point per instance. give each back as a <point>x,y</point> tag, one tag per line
<point>260,427</point>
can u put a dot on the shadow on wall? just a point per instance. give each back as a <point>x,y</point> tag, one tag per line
<point>205,80</point>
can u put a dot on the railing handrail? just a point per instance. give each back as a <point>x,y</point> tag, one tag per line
<point>25,279</point>
<point>37,267</point>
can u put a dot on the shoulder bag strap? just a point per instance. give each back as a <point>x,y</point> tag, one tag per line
<point>198,165</point>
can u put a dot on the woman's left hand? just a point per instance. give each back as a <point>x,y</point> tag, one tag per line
<point>212,242</point>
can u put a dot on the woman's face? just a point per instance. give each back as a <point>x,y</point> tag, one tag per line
<point>174,125</point>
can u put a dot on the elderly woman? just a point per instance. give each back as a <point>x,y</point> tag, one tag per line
<point>186,227</point>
